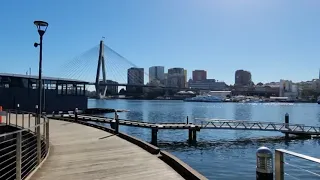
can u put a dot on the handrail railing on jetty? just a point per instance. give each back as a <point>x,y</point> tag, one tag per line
<point>257,125</point>
<point>279,163</point>
<point>24,144</point>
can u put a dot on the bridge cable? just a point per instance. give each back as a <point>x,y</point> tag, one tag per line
<point>61,70</point>
<point>73,67</point>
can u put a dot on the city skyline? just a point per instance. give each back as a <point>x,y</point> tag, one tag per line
<point>219,36</point>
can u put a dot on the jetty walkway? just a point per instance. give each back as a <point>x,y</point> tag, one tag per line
<point>82,152</point>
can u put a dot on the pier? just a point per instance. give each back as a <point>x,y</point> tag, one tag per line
<point>205,123</point>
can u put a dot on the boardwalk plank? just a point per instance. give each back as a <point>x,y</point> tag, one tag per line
<point>81,152</point>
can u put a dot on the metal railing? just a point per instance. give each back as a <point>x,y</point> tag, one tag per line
<point>24,144</point>
<point>280,162</point>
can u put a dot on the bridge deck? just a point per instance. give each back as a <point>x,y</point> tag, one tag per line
<point>81,152</point>
<point>298,129</point>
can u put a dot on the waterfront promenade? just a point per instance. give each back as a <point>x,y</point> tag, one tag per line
<point>82,152</point>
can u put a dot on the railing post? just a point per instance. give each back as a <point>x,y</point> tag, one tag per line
<point>38,142</point>
<point>47,135</point>
<point>17,115</point>
<point>76,114</point>
<point>9,116</point>
<point>187,120</point>
<point>18,156</point>
<point>279,170</point>
<point>29,120</point>
<point>22,119</point>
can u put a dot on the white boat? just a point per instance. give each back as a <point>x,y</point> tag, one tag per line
<point>204,99</point>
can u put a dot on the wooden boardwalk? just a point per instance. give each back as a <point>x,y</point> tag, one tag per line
<point>81,152</point>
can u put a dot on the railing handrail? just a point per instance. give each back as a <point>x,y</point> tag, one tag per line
<point>302,156</point>
<point>36,139</point>
<point>279,161</point>
<point>21,130</point>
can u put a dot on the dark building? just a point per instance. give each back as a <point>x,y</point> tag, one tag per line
<point>58,94</point>
<point>242,78</point>
<point>199,75</point>
<point>135,77</point>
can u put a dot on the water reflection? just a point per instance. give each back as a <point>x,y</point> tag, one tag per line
<point>136,110</point>
<point>242,112</point>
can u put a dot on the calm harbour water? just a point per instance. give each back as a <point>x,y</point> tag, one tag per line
<point>223,154</point>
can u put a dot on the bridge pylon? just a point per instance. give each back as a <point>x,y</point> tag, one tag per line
<point>100,92</point>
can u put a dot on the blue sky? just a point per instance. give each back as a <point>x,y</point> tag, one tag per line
<point>272,39</point>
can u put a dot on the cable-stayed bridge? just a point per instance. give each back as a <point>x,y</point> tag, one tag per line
<point>102,67</point>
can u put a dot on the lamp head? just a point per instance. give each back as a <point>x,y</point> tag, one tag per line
<point>41,26</point>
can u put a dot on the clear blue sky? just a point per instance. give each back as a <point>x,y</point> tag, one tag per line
<point>272,39</point>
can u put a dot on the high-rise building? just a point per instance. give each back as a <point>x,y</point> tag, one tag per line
<point>156,73</point>
<point>242,78</point>
<point>185,78</point>
<point>199,75</point>
<point>136,76</point>
<point>176,78</point>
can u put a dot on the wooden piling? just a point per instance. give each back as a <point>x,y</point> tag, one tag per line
<point>154,136</point>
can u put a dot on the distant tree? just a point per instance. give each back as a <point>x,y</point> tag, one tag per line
<point>260,84</point>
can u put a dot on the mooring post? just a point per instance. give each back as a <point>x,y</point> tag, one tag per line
<point>76,114</point>
<point>190,136</point>
<point>264,168</point>
<point>187,119</point>
<point>286,121</point>
<point>116,117</point>
<point>154,136</point>
<point>194,136</point>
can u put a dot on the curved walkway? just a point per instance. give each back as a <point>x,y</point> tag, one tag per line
<point>85,153</point>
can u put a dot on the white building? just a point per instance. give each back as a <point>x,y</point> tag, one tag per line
<point>288,89</point>
<point>156,73</point>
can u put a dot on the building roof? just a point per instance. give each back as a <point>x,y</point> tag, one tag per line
<point>44,77</point>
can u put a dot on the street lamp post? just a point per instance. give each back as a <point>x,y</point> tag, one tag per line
<point>42,27</point>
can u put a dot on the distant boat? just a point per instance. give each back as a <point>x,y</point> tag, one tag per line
<point>204,99</point>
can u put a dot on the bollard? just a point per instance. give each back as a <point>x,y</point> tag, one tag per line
<point>113,124</point>
<point>286,121</point>
<point>264,168</point>
<point>76,114</point>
